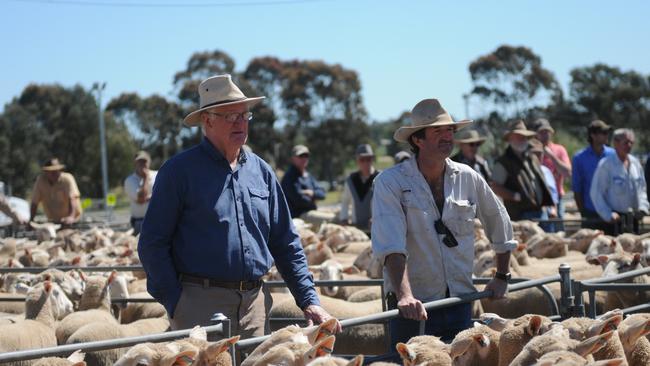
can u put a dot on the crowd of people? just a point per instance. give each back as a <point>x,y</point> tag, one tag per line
<point>215,218</point>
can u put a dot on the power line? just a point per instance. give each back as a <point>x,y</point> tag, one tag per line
<point>168,5</point>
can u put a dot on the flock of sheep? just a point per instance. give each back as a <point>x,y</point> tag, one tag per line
<point>75,307</point>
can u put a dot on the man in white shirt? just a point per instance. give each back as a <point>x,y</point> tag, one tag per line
<point>618,189</point>
<point>138,187</point>
<point>423,227</point>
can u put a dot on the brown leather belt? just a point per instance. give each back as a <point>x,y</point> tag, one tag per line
<point>209,282</point>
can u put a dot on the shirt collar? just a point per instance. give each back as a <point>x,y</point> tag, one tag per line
<point>410,167</point>
<point>215,154</point>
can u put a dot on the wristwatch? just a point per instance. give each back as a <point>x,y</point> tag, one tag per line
<point>503,276</point>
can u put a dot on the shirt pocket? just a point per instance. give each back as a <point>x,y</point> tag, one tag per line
<point>461,217</point>
<point>260,205</point>
<point>619,186</point>
<point>417,218</point>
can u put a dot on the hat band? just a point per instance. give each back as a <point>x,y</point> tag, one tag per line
<point>222,102</point>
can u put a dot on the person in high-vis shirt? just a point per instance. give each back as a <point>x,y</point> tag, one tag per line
<point>423,227</point>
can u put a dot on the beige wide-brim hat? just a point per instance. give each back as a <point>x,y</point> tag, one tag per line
<point>427,113</point>
<point>52,165</point>
<point>216,92</point>
<point>518,127</point>
<point>469,136</point>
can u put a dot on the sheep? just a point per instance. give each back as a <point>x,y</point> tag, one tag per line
<point>615,264</point>
<point>547,245</point>
<point>367,338</point>
<point>75,359</point>
<point>557,339</point>
<point>521,254</point>
<point>207,353</point>
<point>72,287</point>
<point>36,330</point>
<point>97,331</point>
<point>567,358</point>
<point>581,239</point>
<point>318,253</point>
<point>332,270</point>
<point>478,345</point>
<point>135,311</point>
<point>367,294</point>
<point>152,354</point>
<point>518,333</point>
<point>296,353</point>
<point>288,334</point>
<point>94,306</point>
<point>632,332</point>
<point>603,244</point>
<point>581,328</point>
<point>45,231</point>
<point>425,349</point>
<point>337,361</point>
<point>366,261</point>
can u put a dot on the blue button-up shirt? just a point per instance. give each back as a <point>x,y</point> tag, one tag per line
<point>585,162</point>
<point>208,220</point>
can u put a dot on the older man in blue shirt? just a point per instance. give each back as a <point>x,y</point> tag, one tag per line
<point>217,221</point>
<point>585,162</point>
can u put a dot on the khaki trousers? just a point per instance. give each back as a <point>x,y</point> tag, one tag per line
<point>247,310</point>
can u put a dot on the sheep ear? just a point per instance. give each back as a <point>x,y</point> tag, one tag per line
<point>460,347</point>
<point>521,247</point>
<point>593,344</point>
<point>326,328</point>
<point>593,260</point>
<point>611,362</point>
<point>127,253</point>
<point>82,363</point>
<point>320,349</point>
<point>47,285</point>
<point>602,259</point>
<point>215,349</point>
<point>403,350</point>
<point>534,325</point>
<point>351,270</point>
<point>482,340</point>
<point>636,259</point>
<point>111,277</point>
<point>77,356</point>
<point>82,276</point>
<point>607,324</point>
<point>356,361</point>
<point>76,260</point>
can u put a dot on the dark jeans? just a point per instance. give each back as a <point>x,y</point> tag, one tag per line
<point>136,224</point>
<point>628,223</point>
<point>444,323</point>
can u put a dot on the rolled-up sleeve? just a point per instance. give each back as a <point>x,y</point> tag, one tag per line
<point>155,245</point>
<point>598,191</point>
<point>346,201</point>
<point>642,195</point>
<point>388,219</point>
<point>284,245</point>
<point>495,218</point>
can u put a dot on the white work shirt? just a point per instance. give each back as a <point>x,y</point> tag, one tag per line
<point>403,220</point>
<point>132,184</point>
<point>615,188</point>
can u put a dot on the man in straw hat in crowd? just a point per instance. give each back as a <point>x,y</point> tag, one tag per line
<point>300,187</point>
<point>517,176</point>
<point>423,227</point>
<point>58,192</point>
<point>138,187</point>
<point>216,223</point>
<point>357,190</point>
<point>469,142</point>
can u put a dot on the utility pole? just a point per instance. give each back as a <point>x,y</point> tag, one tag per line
<point>99,88</point>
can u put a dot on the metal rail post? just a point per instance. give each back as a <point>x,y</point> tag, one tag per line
<point>221,318</point>
<point>566,291</point>
<point>578,304</point>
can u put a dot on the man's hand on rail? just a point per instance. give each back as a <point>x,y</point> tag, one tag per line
<point>499,288</point>
<point>411,308</point>
<point>316,314</point>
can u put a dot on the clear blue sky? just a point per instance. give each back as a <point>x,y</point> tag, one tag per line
<point>403,51</point>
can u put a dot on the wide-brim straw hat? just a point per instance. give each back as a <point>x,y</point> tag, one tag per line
<point>52,165</point>
<point>216,92</point>
<point>518,127</point>
<point>469,136</point>
<point>427,113</point>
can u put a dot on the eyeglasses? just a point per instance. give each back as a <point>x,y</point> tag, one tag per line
<point>234,116</point>
<point>448,238</point>
<point>475,144</point>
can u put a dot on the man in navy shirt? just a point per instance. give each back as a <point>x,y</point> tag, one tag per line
<point>585,162</point>
<point>301,188</point>
<point>217,221</point>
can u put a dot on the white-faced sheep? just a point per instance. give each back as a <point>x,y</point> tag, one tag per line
<point>296,353</point>
<point>36,331</point>
<point>429,350</point>
<point>633,331</point>
<point>75,359</point>
<point>581,239</point>
<point>337,361</point>
<point>292,333</point>
<point>477,346</point>
<point>518,333</point>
